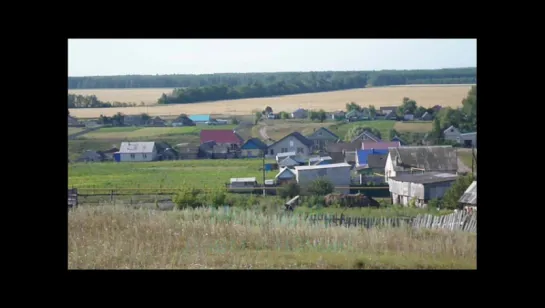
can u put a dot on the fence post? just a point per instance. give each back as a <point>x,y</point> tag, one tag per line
<point>112,196</point>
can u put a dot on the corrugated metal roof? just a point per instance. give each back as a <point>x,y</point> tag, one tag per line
<point>285,154</point>
<point>367,145</point>
<point>220,136</point>
<point>468,134</point>
<point>136,147</point>
<point>425,178</point>
<point>339,165</point>
<point>200,117</point>
<point>470,195</point>
<point>364,154</point>
<point>285,172</point>
<point>377,160</point>
<point>234,180</point>
<point>430,158</point>
<point>343,146</point>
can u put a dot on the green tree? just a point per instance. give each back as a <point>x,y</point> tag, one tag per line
<point>372,111</point>
<point>352,106</point>
<point>322,115</point>
<point>321,187</point>
<point>284,115</point>
<point>453,194</point>
<point>420,112</point>
<point>258,116</point>
<point>268,109</point>
<point>393,133</point>
<point>289,190</point>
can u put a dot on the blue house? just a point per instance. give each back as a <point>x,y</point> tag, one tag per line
<point>362,156</point>
<point>253,148</point>
<point>200,118</point>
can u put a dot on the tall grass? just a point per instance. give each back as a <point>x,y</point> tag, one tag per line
<point>123,238</point>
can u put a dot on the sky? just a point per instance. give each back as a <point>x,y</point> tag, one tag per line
<point>103,57</point>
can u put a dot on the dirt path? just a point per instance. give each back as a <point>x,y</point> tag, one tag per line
<point>263,132</point>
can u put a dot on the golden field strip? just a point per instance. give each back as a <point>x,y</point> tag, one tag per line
<point>427,96</point>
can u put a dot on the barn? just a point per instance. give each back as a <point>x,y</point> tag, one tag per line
<point>338,174</point>
<point>420,187</point>
<point>137,151</point>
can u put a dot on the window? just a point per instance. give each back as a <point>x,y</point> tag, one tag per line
<point>284,150</point>
<point>272,151</point>
<point>319,133</point>
<point>132,156</point>
<point>145,155</point>
<point>300,150</point>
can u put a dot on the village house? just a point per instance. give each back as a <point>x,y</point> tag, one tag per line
<point>321,138</point>
<point>420,188</point>
<point>367,136</point>
<point>200,118</point>
<point>225,137</point>
<point>398,139</point>
<point>253,147</point>
<point>183,120</point>
<point>361,157</point>
<point>156,122</point>
<point>320,160</point>
<point>294,142</point>
<point>420,159</point>
<point>187,151</point>
<point>136,152</point>
<point>285,175</point>
<point>169,154</point>
<point>383,145</point>
<point>408,116</point>
<point>92,156</point>
<point>133,120</point>
<point>338,174</point>
<point>242,185</point>
<point>300,114</point>
<point>338,115</point>
<point>467,140</point>
<point>388,109</point>
<point>342,152</point>
<point>372,170</point>
<point>73,122</point>
<point>468,200</point>
<point>355,115</point>
<point>426,116</point>
<point>391,116</point>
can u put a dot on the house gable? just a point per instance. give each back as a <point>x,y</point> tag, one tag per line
<point>366,135</point>
<point>254,144</point>
<point>323,134</point>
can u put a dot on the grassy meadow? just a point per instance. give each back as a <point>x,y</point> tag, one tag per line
<point>108,237</point>
<point>426,96</point>
<point>165,174</point>
<point>150,132</point>
<point>73,130</point>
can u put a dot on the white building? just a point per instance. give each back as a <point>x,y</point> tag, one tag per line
<point>338,174</point>
<point>137,151</point>
<point>420,188</point>
<point>467,139</point>
<point>242,184</point>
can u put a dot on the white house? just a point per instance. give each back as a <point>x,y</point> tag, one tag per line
<point>137,151</point>
<point>299,114</point>
<point>467,139</point>
<point>338,174</point>
<point>420,159</point>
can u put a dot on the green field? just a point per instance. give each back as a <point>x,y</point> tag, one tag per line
<point>73,130</point>
<point>165,174</point>
<point>149,132</point>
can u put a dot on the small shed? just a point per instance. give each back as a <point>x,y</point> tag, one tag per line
<point>338,174</point>
<point>242,185</point>
<point>469,199</point>
<point>420,187</point>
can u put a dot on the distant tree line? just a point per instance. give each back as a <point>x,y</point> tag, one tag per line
<point>91,101</point>
<point>211,87</point>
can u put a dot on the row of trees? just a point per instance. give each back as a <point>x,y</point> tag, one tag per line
<point>232,80</point>
<point>464,118</point>
<point>91,101</point>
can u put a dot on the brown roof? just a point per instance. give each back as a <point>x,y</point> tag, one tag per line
<point>367,145</point>
<point>343,146</point>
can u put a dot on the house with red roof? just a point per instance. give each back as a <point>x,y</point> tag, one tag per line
<point>222,137</point>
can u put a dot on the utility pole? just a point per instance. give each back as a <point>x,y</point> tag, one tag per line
<point>263,173</point>
<point>473,160</point>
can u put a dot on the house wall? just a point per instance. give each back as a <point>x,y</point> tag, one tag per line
<point>470,136</point>
<point>436,190</point>
<point>321,139</point>
<point>126,157</point>
<point>251,153</point>
<point>408,117</point>
<point>389,169</point>
<point>291,144</point>
<point>404,192</point>
<point>339,176</point>
<point>453,134</point>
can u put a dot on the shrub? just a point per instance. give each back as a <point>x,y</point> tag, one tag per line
<point>289,190</point>
<point>453,194</point>
<point>321,187</point>
<point>217,198</point>
<point>187,197</point>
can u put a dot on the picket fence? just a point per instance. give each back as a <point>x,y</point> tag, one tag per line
<point>459,221</point>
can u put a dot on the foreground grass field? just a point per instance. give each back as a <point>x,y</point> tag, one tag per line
<point>164,174</point>
<point>427,96</point>
<point>123,238</point>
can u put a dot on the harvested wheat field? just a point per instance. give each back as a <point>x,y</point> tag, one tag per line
<point>115,237</point>
<point>149,96</point>
<point>427,96</point>
<point>414,127</point>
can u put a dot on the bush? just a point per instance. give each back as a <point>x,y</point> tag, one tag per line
<point>187,197</point>
<point>289,190</point>
<point>217,198</point>
<point>453,194</point>
<point>321,187</point>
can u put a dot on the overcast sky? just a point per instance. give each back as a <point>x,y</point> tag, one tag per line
<point>91,57</point>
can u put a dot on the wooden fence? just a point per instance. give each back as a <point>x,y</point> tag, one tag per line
<point>72,197</point>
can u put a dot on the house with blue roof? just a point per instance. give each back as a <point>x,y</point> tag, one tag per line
<point>253,148</point>
<point>370,165</point>
<point>200,118</point>
<point>363,155</point>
